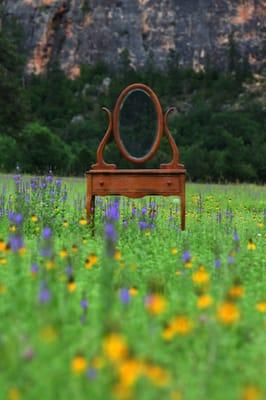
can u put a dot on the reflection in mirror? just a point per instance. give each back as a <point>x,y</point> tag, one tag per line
<point>138,123</point>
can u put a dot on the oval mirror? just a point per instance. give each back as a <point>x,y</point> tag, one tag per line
<point>138,123</point>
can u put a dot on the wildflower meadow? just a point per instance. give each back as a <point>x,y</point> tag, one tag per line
<point>134,308</point>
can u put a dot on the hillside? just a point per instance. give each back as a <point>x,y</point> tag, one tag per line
<point>76,32</point>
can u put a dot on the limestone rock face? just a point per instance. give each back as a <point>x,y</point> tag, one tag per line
<point>76,32</point>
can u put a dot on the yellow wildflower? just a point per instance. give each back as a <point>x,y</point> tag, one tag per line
<point>115,347</point>
<point>22,251</point>
<point>204,301</point>
<point>63,253</point>
<point>182,325</point>
<point>201,276</point>
<point>91,261</point>
<point>65,224</point>
<point>188,264</point>
<point>133,291</point>
<point>34,218</point>
<point>178,273</point>
<point>236,291</point>
<point>129,371</point>
<point>261,307</point>
<point>251,393</point>
<point>2,245</point>
<point>156,374</point>
<point>155,304</point>
<point>79,364</point>
<point>3,261</point>
<point>228,313</point>
<point>82,221</point>
<point>2,288</point>
<point>174,250</point>
<point>49,265</point>
<point>251,245</point>
<point>13,394</point>
<point>169,332</point>
<point>71,286</point>
<point>118,255</point>
<point>12,228</point>
<point>48,334</point>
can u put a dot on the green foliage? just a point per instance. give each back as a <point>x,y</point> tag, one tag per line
<point>42,150</point>
<point>220,130</point>
<point>13,102</point>
<point>9,154</point>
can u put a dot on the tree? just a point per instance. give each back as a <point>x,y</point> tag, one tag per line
<point>13,104</point>
<point>41,150</point>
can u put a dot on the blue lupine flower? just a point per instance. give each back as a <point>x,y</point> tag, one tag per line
<point>44,294</point>
<point>110,232</point>
<point>124,295</point>
<point>46,233</point>
<point>84,304</point>
<point>186,257</point>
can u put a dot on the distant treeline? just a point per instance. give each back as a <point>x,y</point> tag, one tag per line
<point>52,122</point>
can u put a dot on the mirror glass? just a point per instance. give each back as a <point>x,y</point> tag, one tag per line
<point>138,123</point>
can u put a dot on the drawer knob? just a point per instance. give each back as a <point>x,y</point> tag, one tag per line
<point>169,183</point>
<point>101,183</point>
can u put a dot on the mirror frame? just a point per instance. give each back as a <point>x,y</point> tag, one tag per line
<point>116,127</point>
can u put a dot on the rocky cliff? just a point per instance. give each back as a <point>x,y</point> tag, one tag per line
<point>75,32</point>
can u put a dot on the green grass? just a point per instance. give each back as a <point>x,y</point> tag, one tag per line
<point>213,360</point>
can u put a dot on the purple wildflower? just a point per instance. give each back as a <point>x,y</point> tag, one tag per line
<point>124,295</point>
<point>235,236</point>
<point>217,263</point>
<point>112,213</point>
<point>46,252</point>
<point>69,270</point>
<point>144,210</point>
<point>46,233</point>
<point>58,182</point>
<point>34,269</point>
<point>44,294</point>
<point>186,257</point>
<point>18,218</point>
<point>33,185</point>
<point>110,232</point>
<point>84,304</point>
<point>49,178</point>
<point>16,243</point>
<point>143,225</point>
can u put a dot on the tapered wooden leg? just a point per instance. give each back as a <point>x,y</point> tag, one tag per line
<point>183,203</point>
<point>90,212</point>
<point>90,208</point>
<point>90,202</point>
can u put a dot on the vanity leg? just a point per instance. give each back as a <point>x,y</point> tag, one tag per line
<point>183,204</point>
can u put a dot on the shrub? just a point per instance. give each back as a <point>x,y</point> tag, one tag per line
<point>42,149</point>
